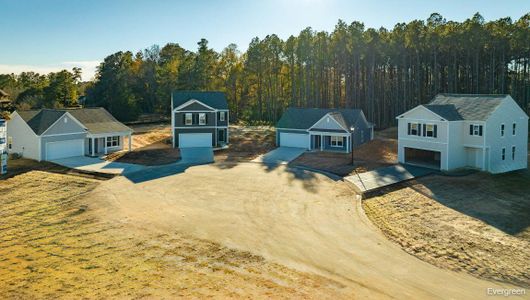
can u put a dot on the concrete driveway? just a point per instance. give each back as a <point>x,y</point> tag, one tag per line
<point>378,178</point>
<point>296,218</point>
<point>281,155</point>
<point>195,156</point>
<point>95,164</point>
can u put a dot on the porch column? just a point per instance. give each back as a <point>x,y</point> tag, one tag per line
<point>105,145</point>
<point>130,142</point>
<point>321,142</point>
<point>93,147</point>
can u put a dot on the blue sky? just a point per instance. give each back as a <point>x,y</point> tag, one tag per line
<point>53,34</point>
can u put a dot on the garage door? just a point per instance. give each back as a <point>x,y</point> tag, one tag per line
<point>63,149</point>
<point>295,140</point>
<point>195,140</point>
<point>425,158</point>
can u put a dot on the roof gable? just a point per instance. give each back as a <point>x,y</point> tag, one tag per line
<point>473,107</point>
<point>215,100</point>
<point>305,118</point>
<point>95,120</point>
<point>333,121</point>
<point>422,112</point>
<point>193,105</point>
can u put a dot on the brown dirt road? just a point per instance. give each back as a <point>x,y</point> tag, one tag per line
<point>298,219</point>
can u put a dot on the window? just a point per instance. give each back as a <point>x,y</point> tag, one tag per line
<point>336,141</point>
<point>9,142</point>
<point>513,128</point>
<point>503,155</point>
<point>475,130</point>
<point>202,119</point>
<point>188,119</point>
<point>502,129</point>
<point>414,129</point>
<point>513,152</point>
<point>430,130</point>
<point>222,116</point>
<point>113,141</point>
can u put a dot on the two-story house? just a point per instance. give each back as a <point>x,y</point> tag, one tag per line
<point>485,132</point>
<point>199,119</point>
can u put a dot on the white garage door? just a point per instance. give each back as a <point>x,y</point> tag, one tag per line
<point>194,140</point>
<point>295,140</point>
<point>63,149</point>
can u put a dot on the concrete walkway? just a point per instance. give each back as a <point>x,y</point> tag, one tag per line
<point>386,176</point>
<point>281,155</point>
<point>95,164</point>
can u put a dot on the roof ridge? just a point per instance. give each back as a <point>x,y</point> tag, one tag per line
<point>473,95</point>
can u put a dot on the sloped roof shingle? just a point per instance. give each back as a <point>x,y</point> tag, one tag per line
<point>454,107</point>
<point>304,118</point>
<point>216,100</point>
<point>96,120</point>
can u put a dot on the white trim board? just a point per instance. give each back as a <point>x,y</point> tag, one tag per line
<point>191,101</point>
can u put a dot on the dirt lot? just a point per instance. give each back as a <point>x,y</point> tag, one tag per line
<point>372,155</point>
<point>151,146</point>
<point>246,143</point>
<point>54,244</point>
<point>479,224</point>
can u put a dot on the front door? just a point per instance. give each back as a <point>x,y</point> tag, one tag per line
<point>221,134</point>
<point>318,142</point>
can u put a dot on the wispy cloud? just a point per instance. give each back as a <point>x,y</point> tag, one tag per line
<point>88,68</point>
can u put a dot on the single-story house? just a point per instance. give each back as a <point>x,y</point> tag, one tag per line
<point>48,134</point>
<point>484,132</point>
<point>199,119</point>
<point>323,129</point>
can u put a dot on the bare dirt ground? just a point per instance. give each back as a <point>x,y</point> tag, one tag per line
<point>298,219</point>
<point>151,146</point>
<point>479,224</point>
<point>371,155</point>
<point>246,143</point>
<point>53,244</point>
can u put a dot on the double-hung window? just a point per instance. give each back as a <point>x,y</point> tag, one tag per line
<point>202,119</point>
<point>336,141</point>
<point>502,129</point>
<point>414,129</point>
<point>188,119</point>
<point>475,130</point>
<point>429,130</point>
<point>503,154</point>
<point>513,128</point>
<point>113,141</point>
<point>222,116</point>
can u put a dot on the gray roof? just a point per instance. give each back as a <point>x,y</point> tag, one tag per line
<point>455,107</point>
<point>96,120</point>
<point>40,120</point>
<point>304,118</point>
<point>216,100</point>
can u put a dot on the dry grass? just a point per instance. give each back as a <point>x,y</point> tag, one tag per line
<point>371,155</point>
<point>478,224</point>
<point>55,245</point>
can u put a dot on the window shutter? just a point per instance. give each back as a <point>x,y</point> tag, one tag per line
<point>183,119</point>
<point>424,130</point>
<point>435,134</point>
<point>480,130</point>
<point>206,118</point>
<point>471,129</point>
<point>408,128</point>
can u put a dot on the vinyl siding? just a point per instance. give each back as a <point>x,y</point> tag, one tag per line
<point>60,127</point>
<point>25,142</point>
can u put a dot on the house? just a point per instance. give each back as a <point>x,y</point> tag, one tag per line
<point>48,134</point>
<point>4,100</point>
<point>323,129</point>
<point>484,132</point>
<point>199,119</point>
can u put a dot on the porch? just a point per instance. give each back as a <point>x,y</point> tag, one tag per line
<point>102,144</point>
<point>330,142</point>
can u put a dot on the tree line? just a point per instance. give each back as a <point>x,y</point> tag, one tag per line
<point>384,72</point>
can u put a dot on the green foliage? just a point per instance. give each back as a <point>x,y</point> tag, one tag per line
<point>384,72</point>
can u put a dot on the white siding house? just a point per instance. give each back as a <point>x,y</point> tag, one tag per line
<point>484,132</point>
